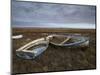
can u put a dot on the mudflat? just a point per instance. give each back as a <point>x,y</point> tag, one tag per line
<point>54,58</point>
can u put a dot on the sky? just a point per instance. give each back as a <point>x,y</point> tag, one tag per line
<point>50,15</point>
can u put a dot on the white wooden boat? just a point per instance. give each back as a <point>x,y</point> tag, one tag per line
<point>32,49</point>
<point>67,40</point>
<point>17,36</point>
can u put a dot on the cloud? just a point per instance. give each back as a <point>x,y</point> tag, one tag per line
<point>33,13</point>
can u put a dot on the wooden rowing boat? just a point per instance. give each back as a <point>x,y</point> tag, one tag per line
<point>67,40</point>
<point>32,49</point>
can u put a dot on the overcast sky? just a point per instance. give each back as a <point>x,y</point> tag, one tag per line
<point>32,14</point>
